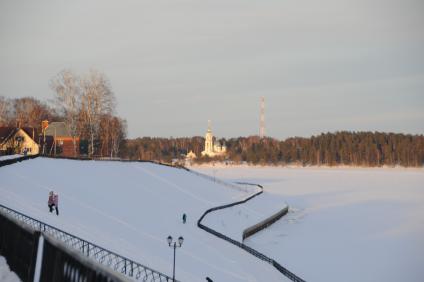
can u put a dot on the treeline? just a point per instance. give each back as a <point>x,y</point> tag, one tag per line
<point>161,149</point>
<point>85,102</point>
<point>340,148</point>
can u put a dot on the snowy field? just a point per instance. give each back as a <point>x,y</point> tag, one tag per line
<point>131,208</point>
<point>344,224</point>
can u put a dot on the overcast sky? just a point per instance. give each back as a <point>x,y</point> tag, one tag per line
<point>321,65</point>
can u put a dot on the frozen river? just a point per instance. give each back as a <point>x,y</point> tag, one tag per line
<point>344,224</point>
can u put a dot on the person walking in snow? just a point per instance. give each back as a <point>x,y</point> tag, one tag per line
<point>184,218</point>
<point>53,202</point>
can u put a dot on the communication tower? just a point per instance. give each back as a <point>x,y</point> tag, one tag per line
<point>262,119</point>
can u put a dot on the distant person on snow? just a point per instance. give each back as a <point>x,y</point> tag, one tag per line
<point>53,202</point>
<point>184,218</point>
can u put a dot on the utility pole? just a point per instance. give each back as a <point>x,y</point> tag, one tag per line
<point>262,119</point>
<point>55,141</point>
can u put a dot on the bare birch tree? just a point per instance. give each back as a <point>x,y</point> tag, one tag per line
<point>4,111</point>
<point>97,100</point>
<point>118,133</point>
<point>66,86</point>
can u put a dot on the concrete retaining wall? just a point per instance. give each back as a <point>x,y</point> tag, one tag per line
<point>264,223</point>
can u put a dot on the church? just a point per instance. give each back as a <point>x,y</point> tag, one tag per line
<point>212,149</point>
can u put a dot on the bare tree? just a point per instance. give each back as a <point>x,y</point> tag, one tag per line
<point>97,100</point>
<point>4,111</point>
<point>118,133</point>
<point>29,112</point>
<point>66,86</point>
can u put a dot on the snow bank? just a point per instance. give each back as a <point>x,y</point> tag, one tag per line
<point>5,274</point>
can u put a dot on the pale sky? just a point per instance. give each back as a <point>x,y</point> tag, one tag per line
<point>321,65</point>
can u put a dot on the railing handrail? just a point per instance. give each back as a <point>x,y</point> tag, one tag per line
<point>216,180</point>
<point>42,226</point>
<point>248,249</point>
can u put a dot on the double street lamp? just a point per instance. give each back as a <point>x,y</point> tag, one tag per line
<point>174,245</point>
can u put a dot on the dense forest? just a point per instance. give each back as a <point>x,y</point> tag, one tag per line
<point>340,148</point>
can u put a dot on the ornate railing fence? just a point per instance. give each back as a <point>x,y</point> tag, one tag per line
<point>103,256</point>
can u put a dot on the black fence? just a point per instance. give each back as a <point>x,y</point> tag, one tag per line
<point>101,255</point>
<point>248,249</point>
<point>60,263</point>
<point>16,160</point>
<point>18,244</point>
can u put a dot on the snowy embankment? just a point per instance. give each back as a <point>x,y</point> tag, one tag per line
<point>344,224</point>
<point>130,208</point>
<point>5,274</point>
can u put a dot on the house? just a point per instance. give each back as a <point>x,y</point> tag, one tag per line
<point>191,155</point>
<point>15,140</point>
<point>57,140</point>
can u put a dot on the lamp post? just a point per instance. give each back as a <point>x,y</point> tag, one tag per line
<point>174,245</point>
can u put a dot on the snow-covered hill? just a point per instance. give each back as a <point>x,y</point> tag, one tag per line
<point>131,208</point>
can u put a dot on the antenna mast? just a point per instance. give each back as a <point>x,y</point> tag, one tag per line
<point>262,119</point>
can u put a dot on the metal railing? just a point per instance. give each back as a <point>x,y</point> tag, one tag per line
<point>219,181</point>
<point>103,256</point>
<point>248,249</point>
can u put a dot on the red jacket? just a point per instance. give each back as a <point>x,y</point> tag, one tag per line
<point>53,199</point>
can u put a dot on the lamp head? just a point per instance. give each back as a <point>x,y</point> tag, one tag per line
<point>180,240</point>
<point>169,240</point>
